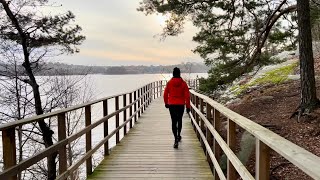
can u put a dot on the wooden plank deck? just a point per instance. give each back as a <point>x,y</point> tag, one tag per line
<point>147,151</point>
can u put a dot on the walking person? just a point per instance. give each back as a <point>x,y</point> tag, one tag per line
<point>176,96</point>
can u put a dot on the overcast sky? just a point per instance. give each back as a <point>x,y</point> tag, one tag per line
<point>117,34</point>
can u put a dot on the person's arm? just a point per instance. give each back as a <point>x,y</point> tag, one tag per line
<point>166,94</point>
<point>187,96</point>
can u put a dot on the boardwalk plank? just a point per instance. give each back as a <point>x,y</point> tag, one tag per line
<point>147,151</point>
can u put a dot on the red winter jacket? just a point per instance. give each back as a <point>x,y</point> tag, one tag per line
<point>177,93</point>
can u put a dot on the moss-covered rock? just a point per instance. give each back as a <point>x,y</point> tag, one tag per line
<point>275,76</point>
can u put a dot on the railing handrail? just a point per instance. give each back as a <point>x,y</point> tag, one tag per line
<point>55,113</point>
<point>303,159</point>
<point>137,104</point>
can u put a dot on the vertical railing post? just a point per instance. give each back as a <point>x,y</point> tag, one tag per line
<point>149,94</point>
<point>139,101</point>
<point>154,90</point>
<point>193,111</point>
<point>125,114</point>
<point>117,119</point>
<point>216,148</point>
<point>231,140</point>
<point>9,150</point>
<point>142,99</point>
<point>160,88</point>
<point>135,106</point>
<point>202,123</point>
<point>130,112</point>
<point>196,115</point>
<point>145,98</point>
<point>106,127</point>
<point>61,136</point>
<point>88,139</point>
<point>262,161</point>
<point>208,133</point>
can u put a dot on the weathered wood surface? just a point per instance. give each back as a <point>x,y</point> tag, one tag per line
<point>147,152</point>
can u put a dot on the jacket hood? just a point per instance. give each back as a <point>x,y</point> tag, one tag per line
<point>176,82</point>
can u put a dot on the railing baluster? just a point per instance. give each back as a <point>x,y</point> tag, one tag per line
<point>262,160</point>
<point>148,95</point>
<point>88,139</point>
<point>193,111</point>
<point>106,127</point>
<point>139,91</point>
<point>125,114</point>
<point>142,99</point>
<point>160,88</point>
<point>154,90</point>
<point>231,141</point>
<point>145,98</point>
<point>61,136</point>
<point>9,149</point>
<point>135,106</point>
<point>208,133</point>
<point>196,115</point>
<point>202,123</point>
<point>130,112</point>
<point>117,119</point>
<point>216,148</point>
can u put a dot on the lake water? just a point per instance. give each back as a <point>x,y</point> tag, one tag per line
<point>108,85</point>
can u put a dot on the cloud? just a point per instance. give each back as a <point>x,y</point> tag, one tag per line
<point>151,56</point>
<point>116,32</point>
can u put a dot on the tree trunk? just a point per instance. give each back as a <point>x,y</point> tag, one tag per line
<point>45,129</point>
<point>308,88</point>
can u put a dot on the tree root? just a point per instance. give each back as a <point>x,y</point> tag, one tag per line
<point>305,110</point>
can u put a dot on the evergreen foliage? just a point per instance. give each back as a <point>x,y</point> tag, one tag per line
<point>234,36</point>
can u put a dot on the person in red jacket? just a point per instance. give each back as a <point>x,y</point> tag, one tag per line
<point>176,96</point>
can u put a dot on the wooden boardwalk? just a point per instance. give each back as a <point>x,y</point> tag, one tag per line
<point>147,151</point>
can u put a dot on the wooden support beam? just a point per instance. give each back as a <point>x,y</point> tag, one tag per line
<point>231,141</point>
<point>216,148</point>
<point>106,127</point>
<point>208,133</point>
<point>201,122</point>
<point>88,139</point>
<point>139,102</point>
<point>9,150</point>
<point>130,110</point>
<point>117,119</point>
<point>124,114</point>
<point>135,106</point>
<point>197,116</point>
<point>161,88</point>
<point>262,161</point>
<point>62,134</point>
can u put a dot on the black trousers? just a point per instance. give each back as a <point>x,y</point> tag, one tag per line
<point>176,113</point>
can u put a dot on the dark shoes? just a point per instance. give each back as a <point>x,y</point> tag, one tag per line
<point>175,145</point>
<point>176,142</point>
<point>179,138</point>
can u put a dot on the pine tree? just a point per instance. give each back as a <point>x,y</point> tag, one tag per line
<point>34,36</point>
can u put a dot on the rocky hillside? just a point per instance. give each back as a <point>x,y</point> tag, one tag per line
<point>269,98</point>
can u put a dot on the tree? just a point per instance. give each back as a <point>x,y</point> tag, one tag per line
<point>233,35</point>
<point>35,37</point>
<point>309,99</point>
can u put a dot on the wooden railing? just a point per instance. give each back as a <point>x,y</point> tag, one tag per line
<point>134,102</point>
<point>206,118</point>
